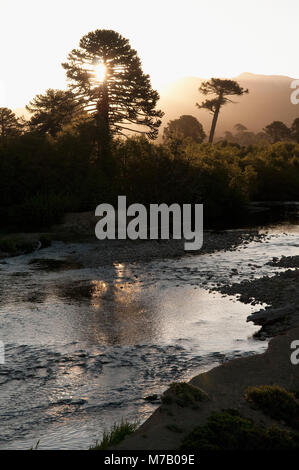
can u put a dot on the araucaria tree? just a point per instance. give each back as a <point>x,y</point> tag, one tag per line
<point>220,90</point>
<point>9,125</point>
<point>51,111</point>
<point>105,75</point>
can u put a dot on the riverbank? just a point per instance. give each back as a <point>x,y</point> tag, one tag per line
<point>79,228</point>
<point>226,386</point>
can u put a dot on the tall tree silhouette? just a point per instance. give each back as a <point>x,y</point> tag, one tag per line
<point>9,125</point>
<point>221,89</point>
<point>52,111</point>
<point>121,99</point>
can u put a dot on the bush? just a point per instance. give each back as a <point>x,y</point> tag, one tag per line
<point>183,394</point>
<point>275,402</point>
<point>228,430</point>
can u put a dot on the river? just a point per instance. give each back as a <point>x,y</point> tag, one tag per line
<point>84,347</point>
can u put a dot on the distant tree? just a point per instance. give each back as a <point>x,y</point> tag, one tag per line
<point>105,74</point>
<point>9,125</point>
<point>221,89</point>
<point>295,130</point>
<point>263,137</point>
<point>52,111</point>
<point>277,131</point>
<point>185,126</point>
<point>244,137</point>
<point>240,128</point>
<point>229,136</point>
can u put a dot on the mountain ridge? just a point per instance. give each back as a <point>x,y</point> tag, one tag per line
<point>268,100</point>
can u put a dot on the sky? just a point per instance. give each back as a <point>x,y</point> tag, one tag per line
<point>174,39</point>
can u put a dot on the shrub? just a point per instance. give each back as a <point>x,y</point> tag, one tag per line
<point>275,402</point>
<point>228,430</point>
<point>183,394</point>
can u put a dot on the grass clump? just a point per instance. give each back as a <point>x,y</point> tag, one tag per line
<point>36,446</point>
<point>183,394</point>
<point>115,435</point>
<point>275,402</point>
<point>228,430</point>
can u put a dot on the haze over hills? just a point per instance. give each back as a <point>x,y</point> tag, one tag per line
<point>268,100</point>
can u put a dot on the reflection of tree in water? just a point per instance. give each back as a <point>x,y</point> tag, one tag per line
<point>120,314</point>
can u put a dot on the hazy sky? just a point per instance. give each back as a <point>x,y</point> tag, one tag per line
<point>173,38</point>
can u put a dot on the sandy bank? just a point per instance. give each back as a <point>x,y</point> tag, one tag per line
<point>225,386</point>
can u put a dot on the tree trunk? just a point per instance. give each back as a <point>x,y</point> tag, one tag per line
<point>103,136</point>
<point>214,122</point>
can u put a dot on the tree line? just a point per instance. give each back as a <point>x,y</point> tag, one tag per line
<point>78,148</point>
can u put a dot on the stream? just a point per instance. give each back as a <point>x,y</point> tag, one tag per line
<point>84,347</point>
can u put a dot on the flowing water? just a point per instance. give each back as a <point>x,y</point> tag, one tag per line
<point>83,347</point>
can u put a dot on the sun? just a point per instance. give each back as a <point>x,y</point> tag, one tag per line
<point>100,72</point>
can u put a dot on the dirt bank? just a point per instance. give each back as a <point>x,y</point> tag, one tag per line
<point>225,386</point>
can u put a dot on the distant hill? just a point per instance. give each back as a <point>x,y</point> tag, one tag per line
<point>268,100</point>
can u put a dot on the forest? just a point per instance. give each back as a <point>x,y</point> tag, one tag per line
<point>100,139</point>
